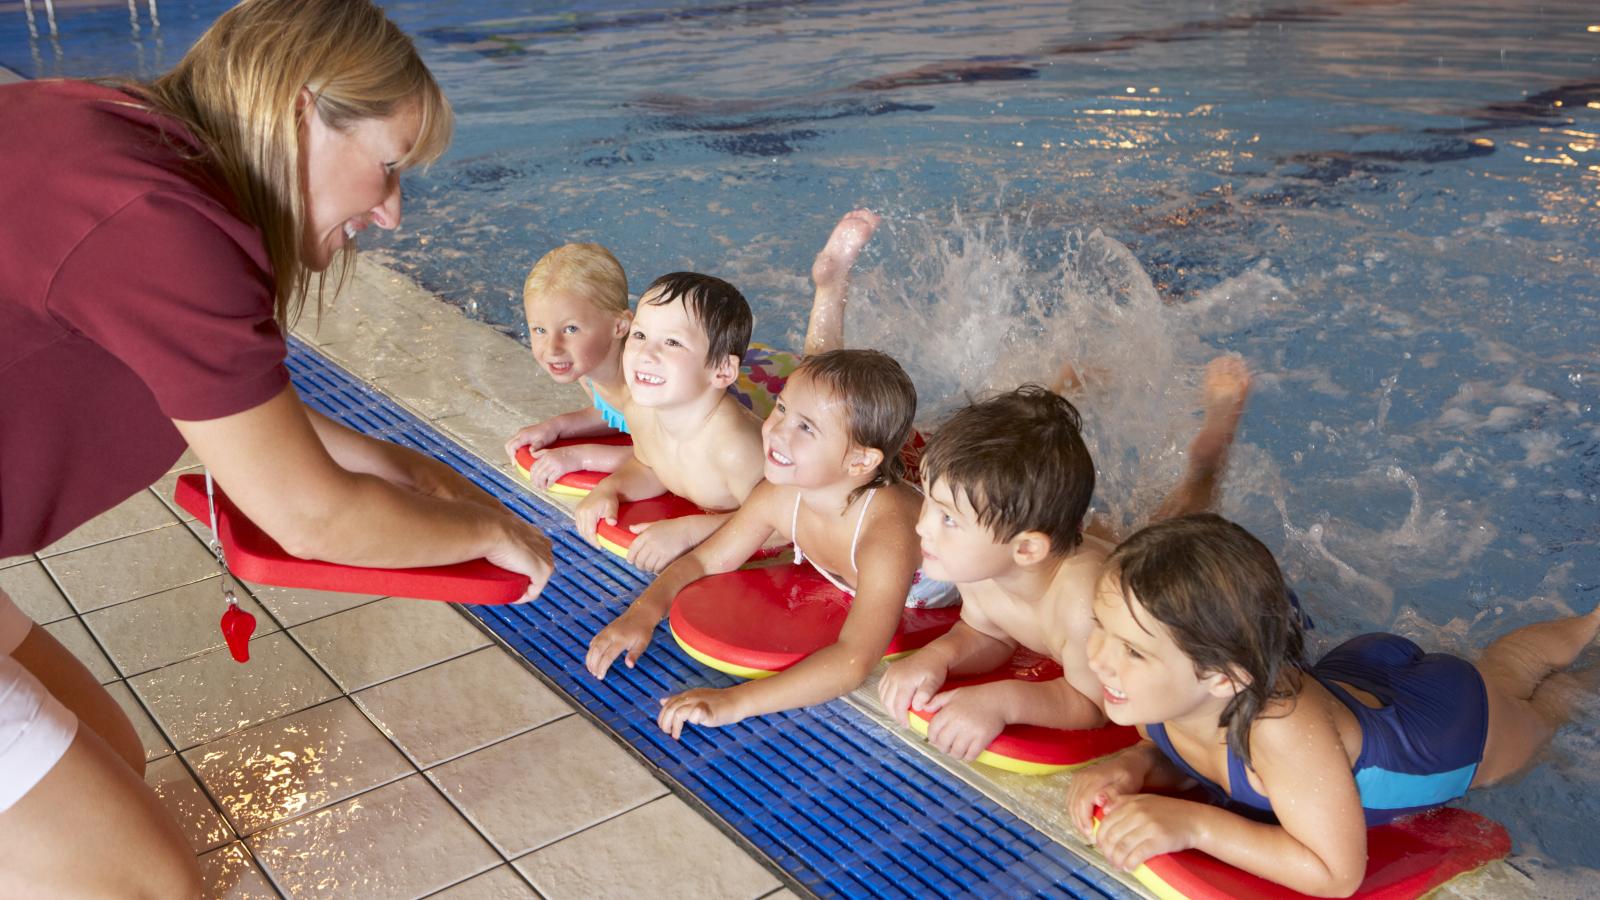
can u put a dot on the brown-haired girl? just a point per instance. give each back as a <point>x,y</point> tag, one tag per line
<point>835,486</point>
<point>1197,643</point>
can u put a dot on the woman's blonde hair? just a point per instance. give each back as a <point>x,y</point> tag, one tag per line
<point>238,89</point>
<point>587,269</point>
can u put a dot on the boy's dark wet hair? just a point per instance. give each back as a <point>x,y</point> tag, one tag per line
<point>1221,595</point>
<point>1020,460</point>
<point>715,305</point>
<point>880,399</point>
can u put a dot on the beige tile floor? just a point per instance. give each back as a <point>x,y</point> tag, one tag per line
<point>372,747</point>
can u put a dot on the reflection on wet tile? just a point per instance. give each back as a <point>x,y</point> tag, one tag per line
<point>400,840</point>
<point>211,695</point>
<point>663,850</point>
<point>78,641</point>
<point>230,874</point>
<point>296,606</point>
<point>391,637</point>
<point>579,777</point>
<point>296,764</point>
<point>141,512</point>
<point>496,884</point>
<point>460,705</point>
<point>30,587</point>
<point>96,577</point>
<point>155,743</point>
<point>188,805</point>
<point>163,628</point>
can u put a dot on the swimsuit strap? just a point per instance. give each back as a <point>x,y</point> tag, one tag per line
<point>856,538</point>
<point>794,531</point>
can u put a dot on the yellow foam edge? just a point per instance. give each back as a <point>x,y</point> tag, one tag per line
<point>558,488</point>
<point>1145,876</point>
<point>1007,763</point>
<point>721,665</point>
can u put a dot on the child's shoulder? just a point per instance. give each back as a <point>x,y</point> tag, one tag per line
<point>1079,574</point>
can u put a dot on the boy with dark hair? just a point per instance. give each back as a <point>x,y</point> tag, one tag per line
<point>690,436</point>
<point>1008,483</point>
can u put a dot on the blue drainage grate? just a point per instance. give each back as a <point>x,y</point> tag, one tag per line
<point>829,795</point>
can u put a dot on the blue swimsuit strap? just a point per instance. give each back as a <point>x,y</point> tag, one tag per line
<point>1239,792</point>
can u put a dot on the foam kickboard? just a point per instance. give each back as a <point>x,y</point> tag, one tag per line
<point>576,483</point>
<point>1035,749</point>
<point>1406,858</point>
<point>753,623</point>
<point>254,556</point>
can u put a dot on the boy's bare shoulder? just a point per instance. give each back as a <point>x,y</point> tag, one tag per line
<point>1079,573</point>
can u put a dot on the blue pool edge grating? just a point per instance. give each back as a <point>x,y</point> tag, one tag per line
<point>831,797</point>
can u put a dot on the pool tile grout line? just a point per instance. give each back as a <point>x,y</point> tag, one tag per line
<point>830,796</point>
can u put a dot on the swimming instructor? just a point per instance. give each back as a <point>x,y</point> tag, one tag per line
<point>156,242</point>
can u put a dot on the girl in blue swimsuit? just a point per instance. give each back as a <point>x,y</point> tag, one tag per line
<point>1196,643</point>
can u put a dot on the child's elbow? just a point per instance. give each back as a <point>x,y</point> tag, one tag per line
<point>1339,884</point>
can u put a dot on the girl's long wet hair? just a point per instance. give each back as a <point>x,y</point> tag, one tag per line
<point>880,403</point>
<point>1219,592</point>
<point>238,90</point>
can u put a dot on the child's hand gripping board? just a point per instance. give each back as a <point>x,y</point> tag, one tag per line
<point>254,556</point>
<point>1034,749</point>
<point>1406,858</point>
<point>753,623</point>
<point>576,483</point>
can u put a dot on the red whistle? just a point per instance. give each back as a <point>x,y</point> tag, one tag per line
<point>237,626</point>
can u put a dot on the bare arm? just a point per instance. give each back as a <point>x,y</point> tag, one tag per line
<point>356,452</point>
<point>633,480</point>
<point>274,464</point>
<point>912,682</point>
<point>736,541</point>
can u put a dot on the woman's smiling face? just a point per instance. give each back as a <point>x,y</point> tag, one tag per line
<point>350,177</point>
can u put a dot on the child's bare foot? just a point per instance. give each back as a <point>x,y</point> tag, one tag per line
<point>831,273</point>
<point>1226,387</point>
<point>831,270</point>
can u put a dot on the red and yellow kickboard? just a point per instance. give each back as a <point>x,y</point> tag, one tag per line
<point>753,623</point>
<point>1035,749</point>
<point>254,556</point>
<point>578,483</point>
<point>1406,858</point>
<point>619,537</point>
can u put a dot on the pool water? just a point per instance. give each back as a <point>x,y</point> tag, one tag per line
<point>1388,208</point>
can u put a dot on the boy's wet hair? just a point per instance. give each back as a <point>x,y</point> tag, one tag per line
<point>587,269</point>
<point>1020,460</point>
<point>880,403</point>
<point>1221,595</point>
<point>713,304</point>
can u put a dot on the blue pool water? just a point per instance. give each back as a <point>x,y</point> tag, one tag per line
<point>1388,208</point>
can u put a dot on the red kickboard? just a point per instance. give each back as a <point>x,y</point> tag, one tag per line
<point>1406,859</point>
<point>581,481</point>
<point>643,512</point>
<point>254,556</point>
<point>1035,744</point>
<point>770,618</point>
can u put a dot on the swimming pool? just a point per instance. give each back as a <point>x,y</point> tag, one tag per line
<point>1388,208</point>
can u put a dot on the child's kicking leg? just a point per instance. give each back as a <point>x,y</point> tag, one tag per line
<point>831,273</point>
<point>1226,388</point>
<point>1529,695</point>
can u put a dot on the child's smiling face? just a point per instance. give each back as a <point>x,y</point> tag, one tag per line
<point>664,359</point>
<point>807,436</point>
<point>569,334</point>
<point>1145,676</point>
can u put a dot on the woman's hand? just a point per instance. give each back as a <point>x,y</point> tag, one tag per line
<point>525,550</point>
<point>1135,827</point>
<point>628,633</point>
<point>710,707</point>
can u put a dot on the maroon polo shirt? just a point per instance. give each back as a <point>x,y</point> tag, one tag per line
<point>131,294</point>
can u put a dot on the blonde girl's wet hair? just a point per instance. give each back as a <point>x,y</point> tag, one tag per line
<point>586,269</point>
<point>238,89</point>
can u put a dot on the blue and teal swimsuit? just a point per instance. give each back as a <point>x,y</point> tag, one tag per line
<point>1419,750</point>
